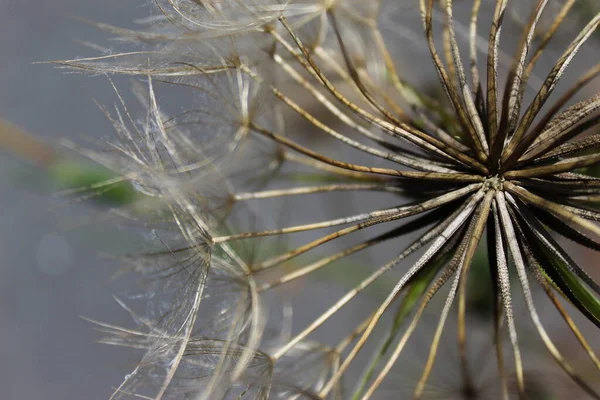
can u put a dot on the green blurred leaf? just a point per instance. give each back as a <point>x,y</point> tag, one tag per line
<point>94,179</point>
<point>571,287</point>
<point>414,291</point>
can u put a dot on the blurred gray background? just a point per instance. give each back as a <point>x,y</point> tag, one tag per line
<point>50,274</point>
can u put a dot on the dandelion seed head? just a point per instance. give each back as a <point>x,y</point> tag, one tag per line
<point>484,162</point>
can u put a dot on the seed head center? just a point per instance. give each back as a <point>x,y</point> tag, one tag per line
<point>495,183</point>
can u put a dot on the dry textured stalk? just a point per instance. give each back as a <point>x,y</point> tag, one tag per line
<point>482,161</point>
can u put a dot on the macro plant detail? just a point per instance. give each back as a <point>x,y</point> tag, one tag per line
<point>479,164</point>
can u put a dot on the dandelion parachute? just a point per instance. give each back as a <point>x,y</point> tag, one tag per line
<point>482,163</point>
